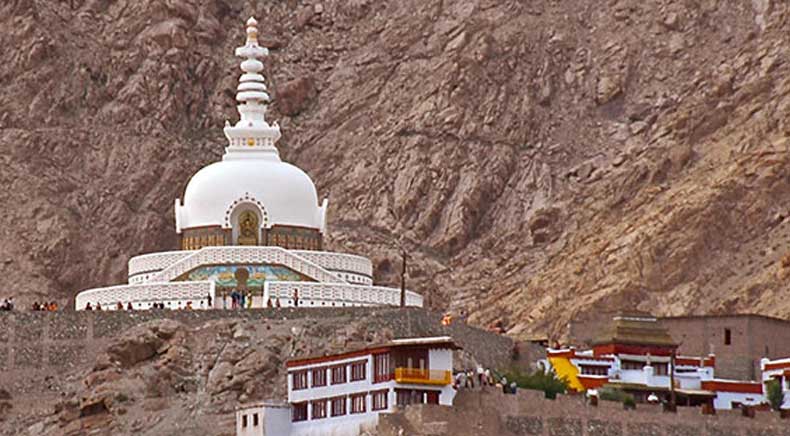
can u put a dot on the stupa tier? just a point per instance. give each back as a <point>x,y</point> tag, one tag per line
<point>250,229</point>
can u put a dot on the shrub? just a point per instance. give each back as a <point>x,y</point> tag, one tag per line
<point>612,394</point>
<point>539,381</point>
<point>774,394</point>
<point>629,402</point>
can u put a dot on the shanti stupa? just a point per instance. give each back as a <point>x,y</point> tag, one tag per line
<point>250,223</point>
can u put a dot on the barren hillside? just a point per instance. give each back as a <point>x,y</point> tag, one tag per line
<point>539,159</point>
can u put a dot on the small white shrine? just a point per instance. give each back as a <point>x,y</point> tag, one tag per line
<point>250,228</point>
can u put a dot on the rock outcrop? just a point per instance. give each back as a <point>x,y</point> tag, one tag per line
<point>658,129</point>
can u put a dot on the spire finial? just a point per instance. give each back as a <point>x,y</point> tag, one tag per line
<point>252,31</point>
<point>252,133</point>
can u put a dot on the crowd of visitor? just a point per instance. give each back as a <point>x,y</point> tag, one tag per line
<point>8,304</point>
<point>471,379</point>
<point>44,307</point>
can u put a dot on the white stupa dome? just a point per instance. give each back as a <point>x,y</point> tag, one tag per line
<point>284,194</point>
<point>251,175</point>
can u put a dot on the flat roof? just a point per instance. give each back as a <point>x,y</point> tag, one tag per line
<point>264,403</point>
<point>730,315</point>
<point>421,341</point>
<point>359,352</point>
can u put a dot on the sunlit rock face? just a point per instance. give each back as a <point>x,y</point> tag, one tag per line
<point>648,138</point>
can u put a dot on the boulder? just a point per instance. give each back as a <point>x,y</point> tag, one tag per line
<point>294,96</point>
<point>141,343</point>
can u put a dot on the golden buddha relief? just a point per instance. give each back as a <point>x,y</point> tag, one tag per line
<point>248,228</point>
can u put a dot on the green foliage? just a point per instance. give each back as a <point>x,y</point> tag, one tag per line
<point>773,391</point>
<point>629,402</point>
<point>611,394</point>
<point>539,381</point>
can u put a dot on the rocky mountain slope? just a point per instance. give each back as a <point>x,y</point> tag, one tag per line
<point>538,159</point>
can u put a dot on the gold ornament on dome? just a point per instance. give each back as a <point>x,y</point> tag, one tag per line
<point>250,142</point>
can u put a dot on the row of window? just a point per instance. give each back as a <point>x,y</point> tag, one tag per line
<point>338,374</point>
<point>594,370</point>
<point>658,368</point>
<point>337,406</point>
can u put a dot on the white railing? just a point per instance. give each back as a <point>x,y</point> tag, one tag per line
<point>339,293</point>
<point>154,262</point>
<point>338,261</point>
<point>148,292</point>
<point>245,255</point>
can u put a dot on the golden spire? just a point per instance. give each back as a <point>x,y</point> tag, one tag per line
<point>252,31</point>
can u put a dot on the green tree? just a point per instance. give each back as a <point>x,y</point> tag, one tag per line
<point>548,382</point>
<point>773,391</point>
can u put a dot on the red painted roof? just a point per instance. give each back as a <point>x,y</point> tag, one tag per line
<point>733,386</point>
<point>778,365</point>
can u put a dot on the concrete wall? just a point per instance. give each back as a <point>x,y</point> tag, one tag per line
<point>528,413</point>
<point>752,337</point>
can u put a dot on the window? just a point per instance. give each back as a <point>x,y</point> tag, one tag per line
<point>381,368</point>
<point>299,380</point>
<point>727,337</point>
<point>405,397</point>
<point>379,400</point>
<point>299,412</point>
<point>319,377</point>
<point>338,406</point>
<point>319,409</point>
<point>660,368</point>
<point>358,371</point>
<point>254,419</point>
<point>243,421</point>
<point>338,374</point>
<point>594,370</point>
<point>358,403</point>
<point>432,397</point>
<point>631,364</point>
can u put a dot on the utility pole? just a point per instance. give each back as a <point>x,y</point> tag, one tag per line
<point>403,278</point>
<point>672,399</point>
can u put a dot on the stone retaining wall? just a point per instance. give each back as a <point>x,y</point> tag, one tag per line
<point>529,414</point>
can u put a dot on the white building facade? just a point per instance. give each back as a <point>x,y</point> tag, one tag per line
<point>778,370</point>
<point>343,394</point>
<point>251,230</point>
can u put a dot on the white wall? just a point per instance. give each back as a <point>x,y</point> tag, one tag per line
<point>346,425</point>
<point>440,359</point>
<point>724,400</point>
<point>273,420</point>
<point>331,390</point>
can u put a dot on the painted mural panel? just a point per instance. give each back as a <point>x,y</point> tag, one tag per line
<point>256,275</point>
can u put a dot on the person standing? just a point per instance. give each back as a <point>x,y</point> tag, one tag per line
<point>296,298</point>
